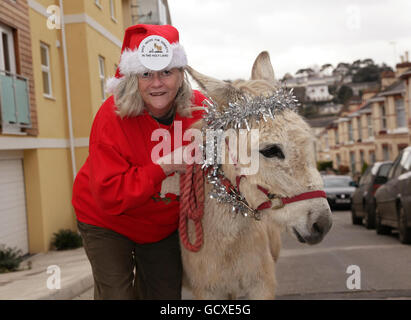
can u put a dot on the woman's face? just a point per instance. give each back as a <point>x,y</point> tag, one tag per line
<point>159,89</point>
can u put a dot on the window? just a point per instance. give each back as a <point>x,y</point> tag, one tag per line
<point>45,69</point>
<point>369,126</point>
<point>327,145</point>
<point>6,55</point>
<point>337,138</point>
<point>352,161</point>
<point>362,157</point>
<point>113,10</point>
<point>384,170</point>
<point>366,177</point>
<point>359,128</point>
<point>385,153</point>
<point>383,117</point>
<point>372,156</point>
<point>162,12</point>
<point>350,135</point>
<point>393,168</point>
<point>102,74</point>
<point>406,161</point>
<point>7,58</point>
<point>400,111</point>
<point>399,164</point>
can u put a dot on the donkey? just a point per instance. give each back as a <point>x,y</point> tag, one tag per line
<point>238,254</point>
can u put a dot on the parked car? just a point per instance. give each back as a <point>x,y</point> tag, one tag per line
<point>363,199</point>
<point>339,190</point>
<point>393,199</point>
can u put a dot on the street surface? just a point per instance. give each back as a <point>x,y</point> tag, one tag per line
<point>382,265</point>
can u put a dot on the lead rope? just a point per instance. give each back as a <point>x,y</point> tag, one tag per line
<point>192,205</point>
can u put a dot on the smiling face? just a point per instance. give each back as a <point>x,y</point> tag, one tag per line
<point>159,89</point>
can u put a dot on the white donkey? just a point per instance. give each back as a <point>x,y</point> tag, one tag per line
<point>238,254</point>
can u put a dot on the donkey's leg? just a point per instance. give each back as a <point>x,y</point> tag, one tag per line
<point>209,294</point>
<point>262,290</point>
<point>265,285</point>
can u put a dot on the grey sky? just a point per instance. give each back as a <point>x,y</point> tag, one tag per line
<point>223,37</point>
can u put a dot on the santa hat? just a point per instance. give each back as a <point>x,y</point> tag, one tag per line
<point>148,48</point>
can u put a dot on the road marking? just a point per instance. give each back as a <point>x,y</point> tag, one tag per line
<point>309,251</point>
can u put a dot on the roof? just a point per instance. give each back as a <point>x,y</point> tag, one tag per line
<point>397,87</point>
<point>406,74</point>
<point>406,64</point>
<point>321,122</point>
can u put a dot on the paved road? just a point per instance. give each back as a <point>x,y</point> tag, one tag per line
<point>320,272</point>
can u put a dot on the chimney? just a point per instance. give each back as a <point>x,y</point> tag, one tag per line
<point>402,58</point>
<point>406,56</point>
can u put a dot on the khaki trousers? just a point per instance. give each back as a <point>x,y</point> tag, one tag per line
<point>124,270</point>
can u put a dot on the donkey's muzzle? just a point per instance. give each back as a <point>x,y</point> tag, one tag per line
<point>318,226</point>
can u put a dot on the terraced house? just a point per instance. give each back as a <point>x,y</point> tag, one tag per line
<point>55,56</point>
<point>376,131</point>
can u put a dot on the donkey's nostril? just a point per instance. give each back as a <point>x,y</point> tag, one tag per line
<point>317,228</point>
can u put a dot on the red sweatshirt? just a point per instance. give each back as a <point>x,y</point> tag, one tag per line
<point>118,186</point>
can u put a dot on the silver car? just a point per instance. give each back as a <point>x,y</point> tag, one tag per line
<point>339,190</point>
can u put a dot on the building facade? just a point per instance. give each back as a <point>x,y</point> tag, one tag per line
<point>54,61</point>
<point>19,120</point>
<point>376,131</point>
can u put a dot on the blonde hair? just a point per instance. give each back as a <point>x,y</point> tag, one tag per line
<point>130,103</point>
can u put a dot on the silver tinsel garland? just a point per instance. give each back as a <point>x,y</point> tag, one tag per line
<point>237,115</point>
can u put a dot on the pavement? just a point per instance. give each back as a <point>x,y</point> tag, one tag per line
<point>55,275</point>
<point>38,278</point>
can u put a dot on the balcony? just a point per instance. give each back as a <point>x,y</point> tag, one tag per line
<point>14,103</point>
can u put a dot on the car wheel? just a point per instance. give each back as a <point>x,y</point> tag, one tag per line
<point>370,217</point>
<point>405,232</point>
<point>355,220</point>
<point>379,228</point>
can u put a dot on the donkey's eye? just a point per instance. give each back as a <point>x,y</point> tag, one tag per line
<point>272,151</point>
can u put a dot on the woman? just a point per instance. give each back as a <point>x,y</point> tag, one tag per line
<point>124,217</point>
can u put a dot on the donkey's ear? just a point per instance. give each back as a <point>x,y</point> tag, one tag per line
<point>262,68</point>
<point>220,91</point>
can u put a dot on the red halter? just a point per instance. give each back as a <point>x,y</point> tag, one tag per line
<point>284,201</point>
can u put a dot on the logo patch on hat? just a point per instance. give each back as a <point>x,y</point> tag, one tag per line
<point>155,53</point>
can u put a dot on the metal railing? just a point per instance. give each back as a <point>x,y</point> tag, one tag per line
<point>14,100</point>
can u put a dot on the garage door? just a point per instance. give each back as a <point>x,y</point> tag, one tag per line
<point>13,218</point>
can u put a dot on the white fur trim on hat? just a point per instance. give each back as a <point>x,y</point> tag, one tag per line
<point>131,64</point>
<point>112,83</point>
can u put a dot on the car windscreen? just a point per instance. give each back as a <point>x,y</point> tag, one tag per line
<point>384,170</point>
<point>336,182</point>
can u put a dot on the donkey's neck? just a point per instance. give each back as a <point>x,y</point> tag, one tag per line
<point>220,221</point>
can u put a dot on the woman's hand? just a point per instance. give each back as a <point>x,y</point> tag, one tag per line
<point>171,168</point>
<point>168,165</point>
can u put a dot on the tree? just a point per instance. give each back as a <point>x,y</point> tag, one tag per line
<point>323,165</point>
<point>325,66</point>
<point>344,94</point>
<point>287,76</point>
<point>367,74</point>
<point>364,167</point>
